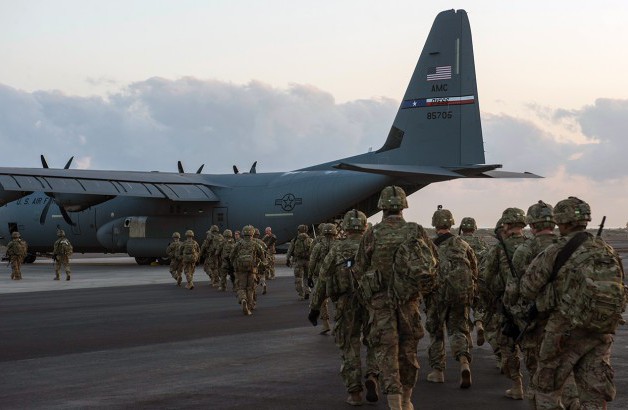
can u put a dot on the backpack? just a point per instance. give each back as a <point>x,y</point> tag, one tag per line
<point>342,280</point>
<point>246,260</point>
<point>593,295</point>
<point>190,254</point>
<point>414,266</point>
<point>302,247</point>
<point>455,273</point>
<point>65,247</point>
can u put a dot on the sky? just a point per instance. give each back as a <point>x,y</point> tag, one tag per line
<point>138,85</point>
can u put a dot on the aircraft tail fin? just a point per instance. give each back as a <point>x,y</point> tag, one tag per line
<point>438,122</point>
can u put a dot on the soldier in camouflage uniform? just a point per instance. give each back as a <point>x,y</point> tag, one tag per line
<point>495,272</point>
<point>245,258</point>
<point>270,240</point>
<point>319,251</point>
<point>336,279</point>
<point>176,264</point>
<point>213,250</point>
<point>395,328</point>
<point>578,334</point>
<point>540,218</point>
<point>225,251</point>
<point>17,249</point>
<point>262,272</point>
<point>203,254</point>
<point>189,252</point>
<point>61,252</point>
<point>449,305</point>
<point>479,246</point>
<point>298,256</point>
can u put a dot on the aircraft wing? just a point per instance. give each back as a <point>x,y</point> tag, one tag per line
<point>159,185</point>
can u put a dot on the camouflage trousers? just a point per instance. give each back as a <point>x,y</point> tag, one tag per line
<point>222,278</point>
<point>530,347</point>
<point>455,317</point>
<point>16,264</point>
<point>511,361</point>
<point>188,268</point>
<point>350,332</point>
<point>300,273</point>
<point>62,262</point>
<point>246,288</point>
<point>585,354</point>
<point>395,333</point>
<point>319,298</point>
<point>176,267</point>
<point>271,266</point>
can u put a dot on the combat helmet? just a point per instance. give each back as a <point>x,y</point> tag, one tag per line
<point>572,211</point>
<point>442,218</point>
<point>392,198</point>
<point>330,229</point>
<point>189,233</point>
<point>354,220</point>
<point>176,235</point>
<point>302,229</point>
<point>60,233</point>
<point>214,228</point>
<point>248,230</point>
<point>227,233</point>
<point>321,227</point>
<point>15,235</point>
<point>468,224</point>
<point>540,213</point>
<point>514,216</point>
<point>256,234</point>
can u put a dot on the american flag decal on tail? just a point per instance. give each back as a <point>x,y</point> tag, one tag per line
<point>439,73</point>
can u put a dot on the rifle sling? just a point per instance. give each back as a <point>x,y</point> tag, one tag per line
<point>442,238</point>
<point>568,250</point>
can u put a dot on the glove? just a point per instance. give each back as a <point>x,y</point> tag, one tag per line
<point>313,316</point>
<point>533,312</point>
<point>310,283</point>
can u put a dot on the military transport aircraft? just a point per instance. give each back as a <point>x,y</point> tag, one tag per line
<point>436,136</point>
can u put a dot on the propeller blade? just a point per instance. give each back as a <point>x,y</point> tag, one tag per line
<point>65,215</point>
<point>43,161</point>
<point>198,171</point>
<point>44,212</point>
<point>253,168</point>
<point>235,170</point>
<point>67,164</point>
<point>180,166</point>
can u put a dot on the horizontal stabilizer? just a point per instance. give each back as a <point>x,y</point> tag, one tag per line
<point>508,174</point>
<point>394,170</point>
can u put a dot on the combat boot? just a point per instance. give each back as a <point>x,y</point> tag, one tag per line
<point>372,388</point>
<point>264,290</point>
<point>436,376</point>
<point>245,307</point>
<point>179,281</point>
<point>479,339</point>
<point>516,391</point>
<point>355,398</point>
<point>57,277</point>
<point>67,277</point>
<point>394,401</point>
<point>326,327</point>
<point>406,398</point>
<point>465,373</point>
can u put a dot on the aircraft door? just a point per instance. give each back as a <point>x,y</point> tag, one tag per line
<point>219,217</point>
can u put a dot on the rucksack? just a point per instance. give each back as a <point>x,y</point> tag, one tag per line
<point>593,295</point>
<point>190,254</point>
<point>455,273</point>
<point>246,260</point>
<point>302,247</point>
<point>66,247</point>
<point>414,266</point>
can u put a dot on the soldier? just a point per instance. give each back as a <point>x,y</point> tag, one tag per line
<point>298,256</point>
<point>467,233</point>
<point>262,272</point>
<point>213,250</point>
<point>496,269</point>
<point>319,251</point>
<point>189,252</point>
<point>540,218</point>
<point>270,240</point>
<point>61,252</point>
<point>449,306</point>
<point>176,264</point>
<point>396,326</point>
<point>225,251</point>
<point>245,259</point>
<point>337,280</point>
<point>16,252</point>
<point>203,255</point>
<point>578,284</point>
<point>236,236</point>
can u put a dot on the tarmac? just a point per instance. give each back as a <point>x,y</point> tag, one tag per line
<point>119,335</point>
